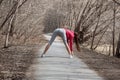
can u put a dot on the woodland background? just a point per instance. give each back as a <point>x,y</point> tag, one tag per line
<point>97,21</point>
<point>23,23</point>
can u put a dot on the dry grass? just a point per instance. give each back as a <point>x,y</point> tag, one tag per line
<point>16,60</point>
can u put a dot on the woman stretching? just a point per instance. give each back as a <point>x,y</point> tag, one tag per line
<point>67,36</point>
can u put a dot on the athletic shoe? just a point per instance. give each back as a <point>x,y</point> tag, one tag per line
<point>71,56</point>
<point>43,55</point>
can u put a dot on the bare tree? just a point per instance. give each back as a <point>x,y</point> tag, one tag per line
<point>118,48</point>
<point>114,19</point>
<point>13,12</point>
<point>9,27</point>
<point>96,27</point>
<point>116,2</point>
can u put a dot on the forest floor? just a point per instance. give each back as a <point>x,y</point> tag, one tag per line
<point>16,60</point>
<point>106,66</point>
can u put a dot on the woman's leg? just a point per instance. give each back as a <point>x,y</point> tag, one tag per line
<point>46,48</point>
<point>64,38</point>
<point>68,49</point>
<point>55,33</point>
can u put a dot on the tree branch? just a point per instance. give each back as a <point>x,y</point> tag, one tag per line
<point>1,1</point>
<point>116,2</point>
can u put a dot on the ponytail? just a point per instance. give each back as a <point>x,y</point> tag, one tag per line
<point>76,41</point>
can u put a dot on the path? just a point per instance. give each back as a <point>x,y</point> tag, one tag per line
<point>57,65</point>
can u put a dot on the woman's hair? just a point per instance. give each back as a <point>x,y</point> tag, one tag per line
<point>76,41</point>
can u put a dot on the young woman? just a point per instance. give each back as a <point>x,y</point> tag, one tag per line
<point>67,36</point>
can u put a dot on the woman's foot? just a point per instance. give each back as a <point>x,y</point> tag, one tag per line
<point>43,55</point>
<point>71,56</point>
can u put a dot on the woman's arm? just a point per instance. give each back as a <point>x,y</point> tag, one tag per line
<point>71,44</point>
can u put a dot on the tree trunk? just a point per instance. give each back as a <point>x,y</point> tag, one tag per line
<point>96,27</point>
<point>100,39</point>
<point>8,33</point>
<point>10,26</point>
<point>118,48</point>
<point>113,33</point>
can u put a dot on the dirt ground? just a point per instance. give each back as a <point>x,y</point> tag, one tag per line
<point>106,66</point>
<point>14,62</point>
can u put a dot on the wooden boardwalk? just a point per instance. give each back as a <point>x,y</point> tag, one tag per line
<point>57,65</point>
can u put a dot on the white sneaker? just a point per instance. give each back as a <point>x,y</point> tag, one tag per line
<point>43,55</point>
<point>71,56</point>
